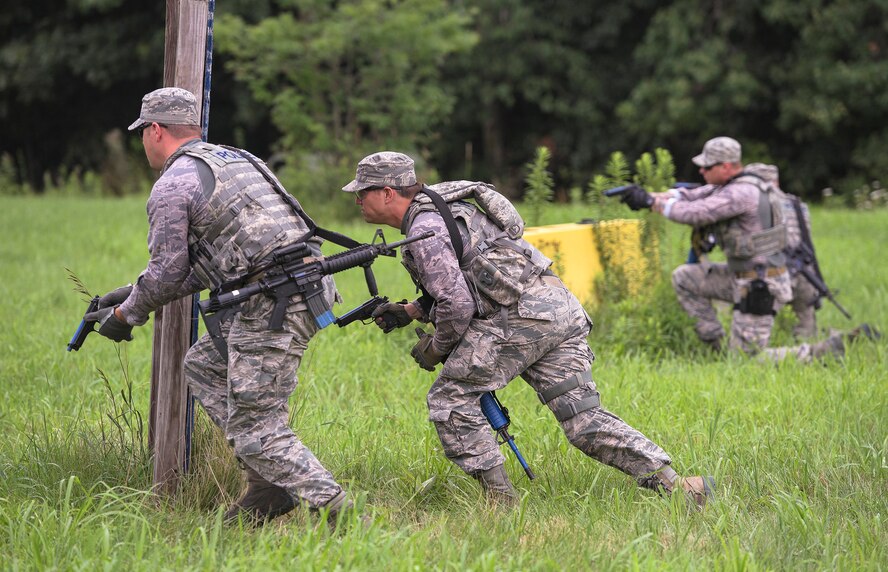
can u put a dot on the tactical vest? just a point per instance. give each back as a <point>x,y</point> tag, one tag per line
<point>249,218</point>
<point>497,264</point>
<point>742,247</point>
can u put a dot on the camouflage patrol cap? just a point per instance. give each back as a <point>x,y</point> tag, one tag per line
<point>168,106</point>
<point>768,173</point>
<point>383,169</point>
<point>718,150</point>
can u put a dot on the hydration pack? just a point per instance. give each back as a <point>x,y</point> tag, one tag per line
<point>498,265</point>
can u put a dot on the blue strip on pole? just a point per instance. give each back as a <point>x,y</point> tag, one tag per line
<point>204,128</point>
<point>208,72</point>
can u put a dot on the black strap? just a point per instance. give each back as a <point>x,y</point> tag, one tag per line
<point>449,222</point>
<point>803,229</point>
<point>426,301</point>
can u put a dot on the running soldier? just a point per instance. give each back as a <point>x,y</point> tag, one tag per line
<point>498,312</point>
<point>214,215</point>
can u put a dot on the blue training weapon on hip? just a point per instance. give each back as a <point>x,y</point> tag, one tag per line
<point>498,417</point>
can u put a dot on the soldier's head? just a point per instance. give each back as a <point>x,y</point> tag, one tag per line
<point>384,185</point>
<point>169,116</point>
<point>720,160</point>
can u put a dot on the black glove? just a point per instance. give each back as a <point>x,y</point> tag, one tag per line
<point>391,315</point>
<point>637,199</point>
<point>115,297</point>
<point>110,326</point>
<point>422,352</point>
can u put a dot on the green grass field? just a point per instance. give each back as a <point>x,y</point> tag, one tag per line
<point>799,451</point>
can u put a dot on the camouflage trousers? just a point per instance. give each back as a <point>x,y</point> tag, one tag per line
<point>697,285</point>
<point>804,305</point>
<point>247,396</point>
<point>544,341</point>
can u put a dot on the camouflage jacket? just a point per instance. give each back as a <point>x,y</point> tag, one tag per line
<point>177,200</point>
<point>733,210</point>
<point>433,264</point>
<point>183,209</point>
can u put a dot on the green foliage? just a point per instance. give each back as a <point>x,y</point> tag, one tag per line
<point>62,89</point>
<point>472,87</point>
<point>653,324</point>
<point>539,183</point>
<point>542,72</point>
<point>654,173</point>
<point>871,196</point>
<point>616,174</point>
<point>575,196</point>
<point>788,79</point>
<point>9,186</point>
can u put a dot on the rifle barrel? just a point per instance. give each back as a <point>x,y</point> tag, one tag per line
<point>619,190</point>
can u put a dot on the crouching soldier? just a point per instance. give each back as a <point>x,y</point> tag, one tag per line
<point>499,312</point>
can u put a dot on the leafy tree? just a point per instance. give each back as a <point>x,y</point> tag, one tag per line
<point>345,78</point>
<point>62,88</point>
<point>835,108</point>
<point>543,73</point>
<point>802,82</point>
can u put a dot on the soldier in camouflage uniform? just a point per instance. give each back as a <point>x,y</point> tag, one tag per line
<point>484,343</point>
<point>748,223</point>
<point>805,297</point>
<point>214,216</point>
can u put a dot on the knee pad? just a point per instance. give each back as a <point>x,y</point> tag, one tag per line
<point>565,409</point>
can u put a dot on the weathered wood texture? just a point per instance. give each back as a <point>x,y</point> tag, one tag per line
<point>184,56</point>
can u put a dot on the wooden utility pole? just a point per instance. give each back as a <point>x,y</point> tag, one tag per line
<point>184,58</point>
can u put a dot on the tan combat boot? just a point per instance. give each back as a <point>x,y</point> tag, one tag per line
<point>497,486</point>
<point>699,489</point>
<point>261,501</point>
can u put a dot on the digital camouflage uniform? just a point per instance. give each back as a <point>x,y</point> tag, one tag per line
<point>542,338</point>
<point>736,213</point>
<point>247,394</point>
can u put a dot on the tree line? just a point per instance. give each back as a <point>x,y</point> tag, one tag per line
<point>471,88</point>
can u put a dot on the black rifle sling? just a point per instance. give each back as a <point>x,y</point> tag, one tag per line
<point>427,300</point>
<point>449,222</point>
<point>806,236</point>
<point>313,229</point>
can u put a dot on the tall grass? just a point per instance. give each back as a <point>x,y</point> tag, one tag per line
<point>798,450</point>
